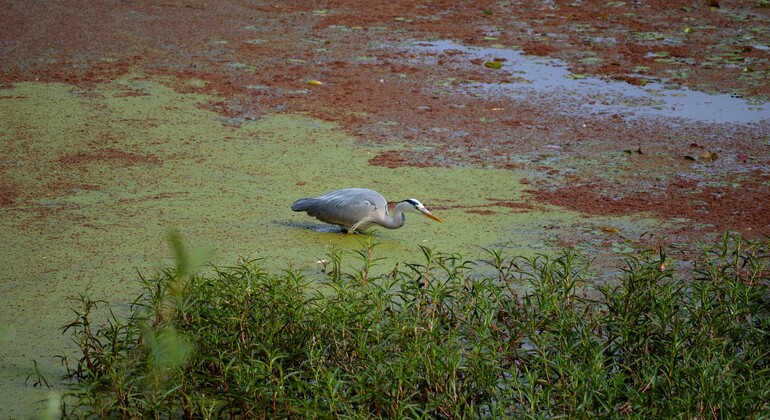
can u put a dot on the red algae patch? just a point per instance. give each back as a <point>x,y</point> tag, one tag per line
<point>108,155</point>
<point>742,209</point>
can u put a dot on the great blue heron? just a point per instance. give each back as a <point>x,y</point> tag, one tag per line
<point>357,209</point>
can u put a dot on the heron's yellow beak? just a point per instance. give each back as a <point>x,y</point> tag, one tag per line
<point>432,216</point>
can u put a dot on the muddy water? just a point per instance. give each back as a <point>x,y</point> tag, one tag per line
<point>95,179</point>
<point>548,75</point>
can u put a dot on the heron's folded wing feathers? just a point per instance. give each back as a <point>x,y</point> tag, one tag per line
<point>343,209</point>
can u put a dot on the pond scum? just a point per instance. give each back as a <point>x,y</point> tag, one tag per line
<point>434,340</point>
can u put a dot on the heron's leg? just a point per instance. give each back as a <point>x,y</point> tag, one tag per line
<point>354,227</point>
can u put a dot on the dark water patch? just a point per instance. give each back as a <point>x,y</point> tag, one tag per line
<point>538,75</point>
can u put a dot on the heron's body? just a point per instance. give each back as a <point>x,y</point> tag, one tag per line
<point>358,209</point>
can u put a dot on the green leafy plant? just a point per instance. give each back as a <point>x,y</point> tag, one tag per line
<point>436,338</point>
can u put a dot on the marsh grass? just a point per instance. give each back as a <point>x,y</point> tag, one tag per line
<point>432,339</point>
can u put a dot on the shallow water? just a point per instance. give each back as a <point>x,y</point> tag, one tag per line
<point>539,75</point>
<point>102,175</point>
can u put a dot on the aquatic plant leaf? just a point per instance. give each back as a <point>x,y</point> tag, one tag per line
<point>591,60</point>
<point>708,155</point>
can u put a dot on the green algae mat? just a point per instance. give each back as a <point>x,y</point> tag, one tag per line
<point>94,180</point>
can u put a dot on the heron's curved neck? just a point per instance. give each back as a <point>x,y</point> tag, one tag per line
<point>397,219</point>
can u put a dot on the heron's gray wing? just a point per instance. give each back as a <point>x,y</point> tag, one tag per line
<point>349,207</point>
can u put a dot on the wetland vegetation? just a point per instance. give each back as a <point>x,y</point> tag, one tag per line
<point>605,126</point>
<point>434,339</point>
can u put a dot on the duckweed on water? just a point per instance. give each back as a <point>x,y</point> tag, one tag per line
<point>431,339</point>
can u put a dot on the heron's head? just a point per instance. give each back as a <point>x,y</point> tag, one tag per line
<point>417,207</point>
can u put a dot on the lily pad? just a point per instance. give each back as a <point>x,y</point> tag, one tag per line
<point>621,249</point>
<point>591,60</point>
<point>584,27</point>
<point>708,156</point>
<point>648,36</point>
